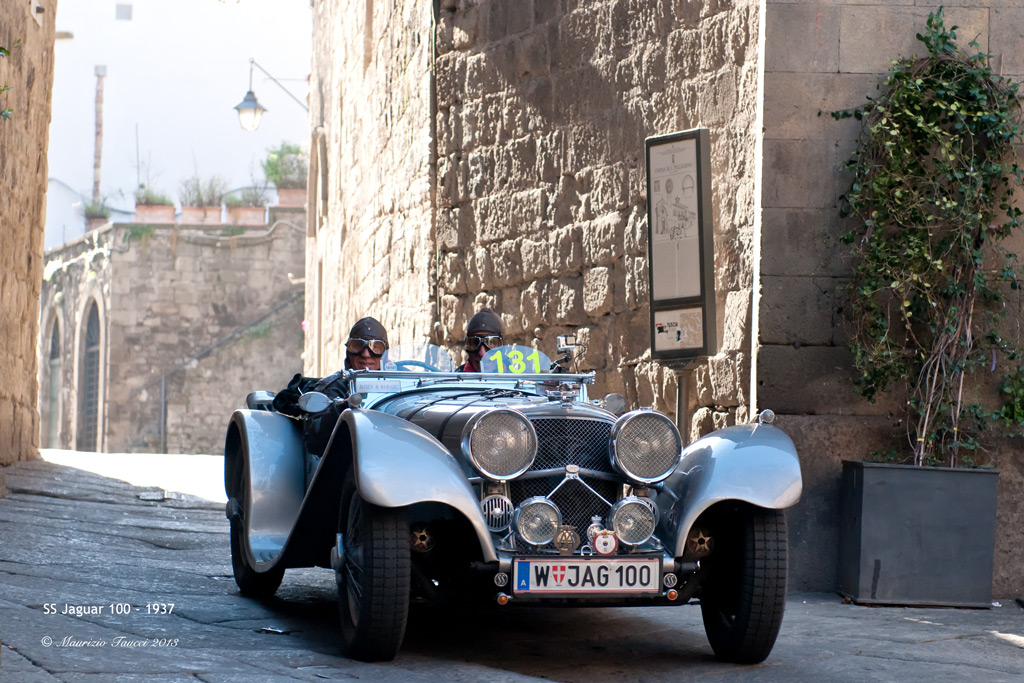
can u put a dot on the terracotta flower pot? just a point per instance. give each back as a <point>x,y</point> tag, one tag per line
<point>154,213</point>
<point>95,222</point>
<point>247,215</point>
<point>200,215</point>
<point>291,197</point>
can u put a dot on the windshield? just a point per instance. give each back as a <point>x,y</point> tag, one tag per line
<point>417,357</point>
<point>520,364</point>
<point>511,359</point>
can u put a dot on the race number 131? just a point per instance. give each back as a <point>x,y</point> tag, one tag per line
<point>516,362</point>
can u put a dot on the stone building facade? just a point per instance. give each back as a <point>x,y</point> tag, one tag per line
<point>28,70</point>
<point>462,168</point>
<point>152,335</point>
<point>803,366</point>
<point>490,152</point>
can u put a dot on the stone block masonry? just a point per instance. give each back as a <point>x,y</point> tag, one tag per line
<point>823,57</point>
<point>523,126</point>
<point>541,127</point>
<point>372,248</point>
<point>492,154</point>
<point>28,70</point>
<point>192,320</point>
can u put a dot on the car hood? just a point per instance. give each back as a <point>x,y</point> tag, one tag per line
<point>444,412</point>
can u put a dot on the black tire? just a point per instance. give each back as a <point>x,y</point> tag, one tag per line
<point>744,597</point>
<point>250,582</point>
<point>374,579</point>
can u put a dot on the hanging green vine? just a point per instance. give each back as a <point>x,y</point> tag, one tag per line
<point>5,112</point>
<point>934,177</point>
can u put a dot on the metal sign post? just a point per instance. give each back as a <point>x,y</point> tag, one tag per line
<point>681,257</point>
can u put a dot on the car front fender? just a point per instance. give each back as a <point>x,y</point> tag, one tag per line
<point>755,463</point>
<point>396,464</point>
<point>264,454</point>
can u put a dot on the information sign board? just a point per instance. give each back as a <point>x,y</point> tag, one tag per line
<point>680,245</point>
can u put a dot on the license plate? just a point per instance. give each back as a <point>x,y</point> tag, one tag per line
<point>578,576</point>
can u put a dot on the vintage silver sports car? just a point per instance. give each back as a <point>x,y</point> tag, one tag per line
<point>509,486</point>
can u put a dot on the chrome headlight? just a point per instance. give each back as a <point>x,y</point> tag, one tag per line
<point>633,520</point>
<point>501,444</point>
<point>646,446</point>
<point>537,520</point>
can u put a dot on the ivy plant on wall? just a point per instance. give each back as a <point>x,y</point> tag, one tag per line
<point>5,112</point>
<point>934,179</point>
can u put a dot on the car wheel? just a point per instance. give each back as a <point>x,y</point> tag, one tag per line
<point>374,578</point>
<point>744,597</point>
<point>250,582</point>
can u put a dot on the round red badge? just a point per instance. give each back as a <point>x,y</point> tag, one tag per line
<point>605,542</point>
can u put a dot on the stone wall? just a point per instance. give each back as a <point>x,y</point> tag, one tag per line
<point>28,70</point>
<point>525,191</point>
<point>539,194</point>
<point>208,311</point>
<point>822,57</point>
<point>370,92</point>
<point>202,398</point>
<point>75,276</point>
<point>542,114</point>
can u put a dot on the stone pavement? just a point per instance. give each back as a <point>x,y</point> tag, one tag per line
<point>90,566</point>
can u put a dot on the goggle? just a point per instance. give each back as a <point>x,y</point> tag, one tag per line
<point>376,346</point>
<point>489,341</point>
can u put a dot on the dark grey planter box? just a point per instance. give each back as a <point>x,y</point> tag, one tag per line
<point>917,535</point>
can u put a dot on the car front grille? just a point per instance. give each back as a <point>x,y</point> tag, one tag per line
<point>562,442</point>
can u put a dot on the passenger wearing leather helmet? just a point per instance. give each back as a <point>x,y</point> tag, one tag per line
<point>483,333</point>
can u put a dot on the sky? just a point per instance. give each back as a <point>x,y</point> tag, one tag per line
<point>175,71</point>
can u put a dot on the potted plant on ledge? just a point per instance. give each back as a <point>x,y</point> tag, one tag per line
<point>934,174</point>
<point>201,199</point>
<point>247,206</point>
<point>286,168</point>
<point>97,214</point>
<point>153,207</point>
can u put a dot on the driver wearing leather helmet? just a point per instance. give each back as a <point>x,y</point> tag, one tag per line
<point>367,342</point>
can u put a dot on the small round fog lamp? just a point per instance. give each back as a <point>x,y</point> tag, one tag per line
<point>633,520</point>
<point>537,520</point>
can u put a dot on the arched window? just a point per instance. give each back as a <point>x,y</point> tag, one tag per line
<point>89,394</point>
<point>53,390</point>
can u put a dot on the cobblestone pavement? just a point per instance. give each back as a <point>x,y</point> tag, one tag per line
<point>90,566</point>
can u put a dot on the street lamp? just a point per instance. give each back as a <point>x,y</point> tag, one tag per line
<point>250,112</point>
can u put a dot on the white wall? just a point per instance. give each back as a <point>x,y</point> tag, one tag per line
<point>176,70</point>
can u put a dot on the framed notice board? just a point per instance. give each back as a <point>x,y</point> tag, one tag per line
<point>680,245</point>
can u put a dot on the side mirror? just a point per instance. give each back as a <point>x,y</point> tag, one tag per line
<point>313,402</point>
<point>614,403</point>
